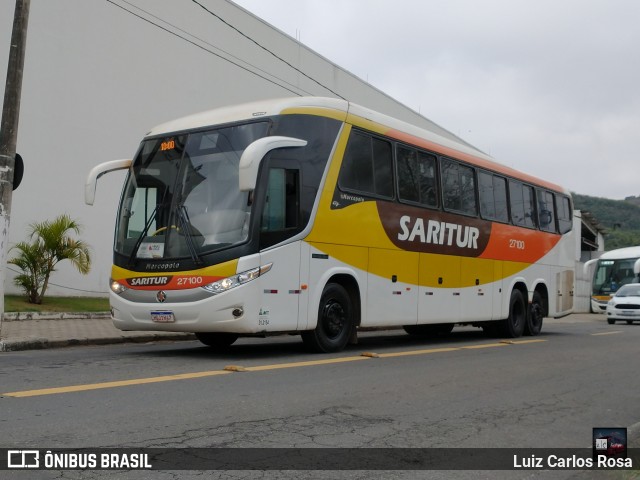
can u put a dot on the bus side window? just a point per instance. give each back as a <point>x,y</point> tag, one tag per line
<point>357,169</point>
<point>408,174</point>
<point>428,185</point>
<point>546,216</point>
<point>280,216</point>
<point>565,222</point>
<point>493,197</point>
<point>458,187</point>
<point>367,166</point>
<point>417,177</point>
<point>522,205</point>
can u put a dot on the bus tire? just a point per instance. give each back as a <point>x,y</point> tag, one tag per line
<point>335,321</point>
<point>610,321</point>
<point>429,330</point>
<point>513,325</point>
<point>536,316</point>
<point>218,340</point>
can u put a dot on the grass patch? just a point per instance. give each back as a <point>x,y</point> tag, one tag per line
<point>17,303</point>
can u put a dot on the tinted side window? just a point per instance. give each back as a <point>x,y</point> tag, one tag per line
<point>565,213</point>
<point>546,217</point>
<point>280,217</point>
<point>493,197</point>
<point>521,203</point>
<point>458,187</point>
<point>417,177</point>
<point>357,168</point>
<point>367,166</point>
<point>500,196</point>
<point>382,167</point>
<point>529,206</point>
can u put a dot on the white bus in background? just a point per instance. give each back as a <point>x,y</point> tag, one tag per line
<point>613,269</point>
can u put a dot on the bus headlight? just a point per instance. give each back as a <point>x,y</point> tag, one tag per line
<point>239,279</point>
<point>117,287</point>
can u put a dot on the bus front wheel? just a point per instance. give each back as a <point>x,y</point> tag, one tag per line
<point>219,340</point>
<point>513,326</point>
<point>335,321</point>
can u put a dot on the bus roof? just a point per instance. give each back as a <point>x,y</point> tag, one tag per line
<point>343,111</point>
<point>621,253</point>
<point>248,111</point>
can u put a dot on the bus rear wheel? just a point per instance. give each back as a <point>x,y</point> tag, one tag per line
<point>513,326</point>
<point>218,340</point>
<point>335,321</point>
<point>536,316</point>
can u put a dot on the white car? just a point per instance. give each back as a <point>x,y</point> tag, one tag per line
<point>625,304</point>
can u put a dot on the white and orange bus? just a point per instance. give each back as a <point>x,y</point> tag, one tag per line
<point>320,217</point>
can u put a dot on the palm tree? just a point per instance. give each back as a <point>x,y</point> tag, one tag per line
<point>50,244</point>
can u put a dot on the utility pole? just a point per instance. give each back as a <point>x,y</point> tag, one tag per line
<point>9,131</point>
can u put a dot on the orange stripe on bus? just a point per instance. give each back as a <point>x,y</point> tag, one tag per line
<point>517,244</point>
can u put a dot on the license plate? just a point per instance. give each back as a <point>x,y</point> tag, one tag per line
<point>164,316</point>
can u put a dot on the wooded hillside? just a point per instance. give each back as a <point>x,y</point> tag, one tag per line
<point>621,218</point>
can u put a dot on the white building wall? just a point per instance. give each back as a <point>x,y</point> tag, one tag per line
<point>97,78</point>
<point>582,293</point>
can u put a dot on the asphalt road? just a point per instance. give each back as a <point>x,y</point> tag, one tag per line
<point>464,391</point>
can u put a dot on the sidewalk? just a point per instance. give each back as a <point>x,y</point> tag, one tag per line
<point>27,331</point>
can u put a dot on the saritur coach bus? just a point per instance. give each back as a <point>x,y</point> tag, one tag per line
<point>320,217</point>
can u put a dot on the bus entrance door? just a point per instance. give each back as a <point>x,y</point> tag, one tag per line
<point>281,289</point>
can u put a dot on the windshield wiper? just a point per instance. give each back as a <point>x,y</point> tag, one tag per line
<point>134,252</point>
<point>185,225</point>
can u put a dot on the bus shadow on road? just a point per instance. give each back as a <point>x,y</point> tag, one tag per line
<point>279,346</point>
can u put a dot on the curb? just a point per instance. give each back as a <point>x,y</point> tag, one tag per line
<point>42,343</point>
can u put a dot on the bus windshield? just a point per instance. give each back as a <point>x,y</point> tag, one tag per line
<point>610,275</point>
<point>182,197</point>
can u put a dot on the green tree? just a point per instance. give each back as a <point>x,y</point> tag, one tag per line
<point>50,243</point>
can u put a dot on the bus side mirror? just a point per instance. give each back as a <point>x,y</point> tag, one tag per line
<point>96,172</point>
<point>253,155</point>
<point>587,265</point>
<point>636,267</point>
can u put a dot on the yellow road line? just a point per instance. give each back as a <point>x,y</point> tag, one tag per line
<point>487,345</point>
<point>606,333</point>
<point>533,340</point>
<point>258,368</point>
<point>310,363</point>
<point>120,383</point>
<point>417,352</point>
